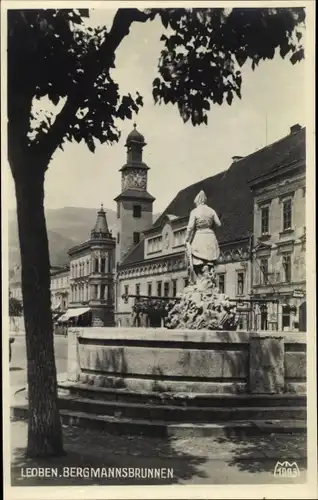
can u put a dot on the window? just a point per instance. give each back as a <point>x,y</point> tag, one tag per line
<point>136,237</point>
<point>110,262</point>
<point>95,291</point>
<point>287,215</point>
<point>102,291</point>
<point>240,284</point>
<point>154,244</point>
<point>137,211</point>
<point>159,288</point>
<point>166,289</point>
<point>221,282</point>
<point>118,237</point>
<point>179,237</point>
<point>265,220</point>
<point>286,317</point>
<point>96,265</point>
<point>287,268</point>
<point>174,288</point>
<point>137,289</point>
<point>264,271</point>
<point>149,289</point>
<point>118,210</point>
<point>126,289</point>
<point>264,323</point>
<point>102,265</point>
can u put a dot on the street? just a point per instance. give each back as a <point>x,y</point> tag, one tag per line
<point>208,460</point>
<point>18,374</point>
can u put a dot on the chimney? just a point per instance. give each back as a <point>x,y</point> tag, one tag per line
<point>236,158</point>
<point>295,128</point>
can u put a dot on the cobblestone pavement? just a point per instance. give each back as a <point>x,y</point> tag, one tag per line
<point>208,460</point>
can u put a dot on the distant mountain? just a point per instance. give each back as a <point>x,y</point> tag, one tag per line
<point>66,227</point>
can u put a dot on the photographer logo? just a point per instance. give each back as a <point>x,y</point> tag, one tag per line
<point>286,470</point>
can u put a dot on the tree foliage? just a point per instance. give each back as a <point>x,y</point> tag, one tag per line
<point>53,53</point>
<point>201,59</point>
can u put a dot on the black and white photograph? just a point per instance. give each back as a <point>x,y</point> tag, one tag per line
<point>158,250</point>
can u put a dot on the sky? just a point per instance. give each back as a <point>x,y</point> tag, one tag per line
<point>178,154</point>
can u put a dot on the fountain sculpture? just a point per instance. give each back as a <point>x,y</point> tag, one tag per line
<point>201,305</point>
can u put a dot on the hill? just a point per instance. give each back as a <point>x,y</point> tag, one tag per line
<point>66,227</point>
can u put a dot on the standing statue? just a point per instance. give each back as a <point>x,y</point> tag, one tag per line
<point>201,305</point>
<point>202,248</point>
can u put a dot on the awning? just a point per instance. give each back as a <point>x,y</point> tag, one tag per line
<point>74,313</point>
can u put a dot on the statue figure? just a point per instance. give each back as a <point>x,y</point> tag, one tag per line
<point>201,305</point>
<point>202,248</point>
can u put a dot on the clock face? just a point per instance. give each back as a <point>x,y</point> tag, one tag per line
<point>134,179</point>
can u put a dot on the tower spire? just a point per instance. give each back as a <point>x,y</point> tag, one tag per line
<point>100,229</point>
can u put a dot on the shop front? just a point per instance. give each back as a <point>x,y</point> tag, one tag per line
<point>282,311</point>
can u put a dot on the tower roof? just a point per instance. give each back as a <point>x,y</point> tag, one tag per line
<point>135,137</point>
<point>101,226</point>
<point>135,194</point>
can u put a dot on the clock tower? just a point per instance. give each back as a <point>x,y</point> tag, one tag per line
<point>134,203</point>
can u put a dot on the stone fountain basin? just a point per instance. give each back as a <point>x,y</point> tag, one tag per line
<point>188,361</point>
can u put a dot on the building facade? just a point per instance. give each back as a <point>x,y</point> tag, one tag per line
<point>92,274</point>
<point>59,283</point>
<point>163,272</point>
<point>60,289</point>
<point>15,283</point>
<point>279,263</point>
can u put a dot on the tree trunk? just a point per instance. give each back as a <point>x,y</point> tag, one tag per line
<point>44,430</point>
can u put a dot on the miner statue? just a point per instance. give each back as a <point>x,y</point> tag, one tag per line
<point>202,248</point>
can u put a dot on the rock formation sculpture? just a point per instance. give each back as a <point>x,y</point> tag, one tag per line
<point>202,306</point>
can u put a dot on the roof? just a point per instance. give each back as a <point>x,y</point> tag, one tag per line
<point>229,192</point>
<point>182,204</point>
<point>16,278</point>
<point>62,270</point>
<point>101,226</point>
<point>136,254</point>
<point>135,136</point>
<point>134,164</point>
<point>135,193</point>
